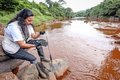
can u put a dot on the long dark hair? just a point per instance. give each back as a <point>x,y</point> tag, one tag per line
<point>20,17</point>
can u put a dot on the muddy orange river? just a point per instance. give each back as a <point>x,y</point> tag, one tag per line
<point>90,53</point>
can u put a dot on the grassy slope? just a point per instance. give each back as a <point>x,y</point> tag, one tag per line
<point>39,17</point>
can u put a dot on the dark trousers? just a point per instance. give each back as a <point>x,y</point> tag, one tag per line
<point>23,55</point>
<point>39,48</point>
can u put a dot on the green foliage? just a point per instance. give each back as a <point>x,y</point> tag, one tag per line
<point>79,14</point>
<point>23,4</point>
<point>43,11</point>
<point>4,19</point>
<point>8,5</point>
<point>118,13</point>
<point>107,8</point>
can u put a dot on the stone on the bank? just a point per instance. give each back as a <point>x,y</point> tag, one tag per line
<point>60,66</point>
<point>2,54</point>
<point>28,73</point>
<point>8,65</point>
<point>57,69</point>
<point>8,76</point>
<point>3,57</point>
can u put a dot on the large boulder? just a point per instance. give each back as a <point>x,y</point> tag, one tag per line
<point>58,66</point>
<point>56,69</point>
<point>30,72</point>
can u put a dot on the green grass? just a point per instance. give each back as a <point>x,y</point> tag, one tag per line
<point>5,17</point>
<point>39,19</point>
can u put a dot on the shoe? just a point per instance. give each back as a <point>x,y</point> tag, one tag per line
<point>45,60</point>
<point>43,68</point>
<point>41,73</point>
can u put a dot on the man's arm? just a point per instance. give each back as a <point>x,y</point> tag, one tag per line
<point>22,44</point>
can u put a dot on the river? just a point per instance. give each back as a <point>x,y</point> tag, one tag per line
<point>90,53</point>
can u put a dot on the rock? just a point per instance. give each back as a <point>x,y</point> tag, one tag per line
<point>8,76</point>
<point>10,64</point>
<point>28,73</point>
<point>3,57</point>
<point>51,76</point>
<point>2,54</point>
<point>60,66</point>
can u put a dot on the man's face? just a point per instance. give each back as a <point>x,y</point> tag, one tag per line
<point>29,20</point>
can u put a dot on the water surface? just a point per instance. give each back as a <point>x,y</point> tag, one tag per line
<point>87,49</point>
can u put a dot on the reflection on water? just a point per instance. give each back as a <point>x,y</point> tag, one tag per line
<point>78,29</point>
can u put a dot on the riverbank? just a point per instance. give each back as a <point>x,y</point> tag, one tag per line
<point>111,29</point>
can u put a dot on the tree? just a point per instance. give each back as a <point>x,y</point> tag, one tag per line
<point>107,8</point>
<point>61,2</point>
<point>8,5</point>
<point>49,2</point>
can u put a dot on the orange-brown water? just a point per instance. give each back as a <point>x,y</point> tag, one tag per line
<point>88,50</point>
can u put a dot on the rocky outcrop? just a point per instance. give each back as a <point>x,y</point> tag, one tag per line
<point>57,69</point>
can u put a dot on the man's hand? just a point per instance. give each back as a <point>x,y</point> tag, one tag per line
<point>40,42</point>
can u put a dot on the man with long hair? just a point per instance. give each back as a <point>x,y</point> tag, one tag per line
<point>20,35</point>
